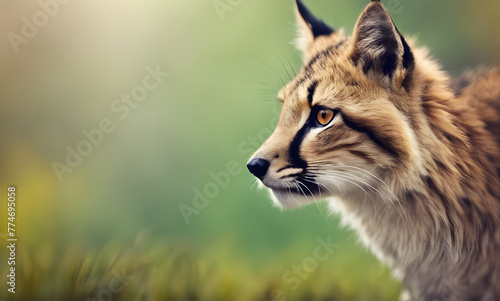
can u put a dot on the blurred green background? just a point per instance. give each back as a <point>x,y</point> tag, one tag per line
<point>118,215</point>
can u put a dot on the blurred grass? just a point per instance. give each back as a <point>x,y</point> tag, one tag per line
<point>150,268</point>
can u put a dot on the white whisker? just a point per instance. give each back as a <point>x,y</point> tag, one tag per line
<point>321,169</point>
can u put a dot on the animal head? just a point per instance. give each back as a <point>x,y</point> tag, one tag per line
<point>344,115</point>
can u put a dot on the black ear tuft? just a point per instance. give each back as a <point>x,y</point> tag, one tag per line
<point>317,26</point>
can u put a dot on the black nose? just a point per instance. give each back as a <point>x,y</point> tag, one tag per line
<point>258,167</point>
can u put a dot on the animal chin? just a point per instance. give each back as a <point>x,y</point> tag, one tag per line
<point>292,193</point>
<point>288,199</point>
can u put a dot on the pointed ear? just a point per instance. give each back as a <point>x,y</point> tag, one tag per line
<point>309,27</point>
<point>378,46</point>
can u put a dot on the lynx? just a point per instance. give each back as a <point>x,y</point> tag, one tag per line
<point>408,156</point>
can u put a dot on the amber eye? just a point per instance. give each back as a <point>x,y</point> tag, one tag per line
<point>325,116</point>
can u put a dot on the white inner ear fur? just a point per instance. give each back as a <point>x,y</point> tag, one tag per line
<point>305,36</point>
<point>371,45</point>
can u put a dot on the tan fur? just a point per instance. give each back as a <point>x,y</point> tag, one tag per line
<point>420,183</point>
